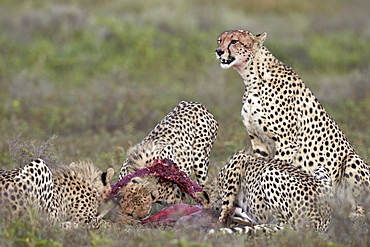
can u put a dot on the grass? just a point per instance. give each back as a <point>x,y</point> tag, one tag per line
<point>101,74</point>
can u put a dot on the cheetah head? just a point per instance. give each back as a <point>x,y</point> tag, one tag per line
<point>137,197</point>
<point>237,48</point>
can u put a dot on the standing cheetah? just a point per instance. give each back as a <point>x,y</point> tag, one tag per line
<point>285,120</point>
<point>184,136</point>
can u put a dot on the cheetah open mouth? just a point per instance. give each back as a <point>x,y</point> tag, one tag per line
<point>227,61</point>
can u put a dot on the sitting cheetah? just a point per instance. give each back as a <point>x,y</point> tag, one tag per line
<point>284,119</point>
<point>272,193</point>
<point>185,136</point>
<point>70,193</point>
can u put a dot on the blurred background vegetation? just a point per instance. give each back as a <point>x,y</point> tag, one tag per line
<point>101,74</point>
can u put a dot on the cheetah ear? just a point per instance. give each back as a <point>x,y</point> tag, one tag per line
<point>154,195</point>
<point>107,176</point>
<point>260,38</point>
<point>110,174</point>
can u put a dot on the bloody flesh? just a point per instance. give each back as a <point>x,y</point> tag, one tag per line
<point>170,215</point>
<point>168,172</point>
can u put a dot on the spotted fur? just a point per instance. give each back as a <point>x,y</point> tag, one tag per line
<point>70,193</point>
<point>285,120</point>
<point>31,185</point>
<point>185,136</point>
<point>272,194</point>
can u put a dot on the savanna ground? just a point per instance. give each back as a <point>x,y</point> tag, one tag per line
<point>101,74</point>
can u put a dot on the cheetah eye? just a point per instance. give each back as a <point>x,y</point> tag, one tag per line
<point>234,41</point>
<point>219,41</point>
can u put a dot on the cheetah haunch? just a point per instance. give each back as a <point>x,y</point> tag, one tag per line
<point>285,120</point>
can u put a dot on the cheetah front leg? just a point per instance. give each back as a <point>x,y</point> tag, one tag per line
<point>200,153</point>
<point>272,135</point>
<point>252,115</point>
<point>229,185</point>
<point>270,143</point>
<point>354,185</point>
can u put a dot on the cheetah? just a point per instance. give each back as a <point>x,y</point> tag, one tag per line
<point>272,194</point>
<point>31,185</point>
<point>69,194</point>
<point>135,200</point>
<point>285,120</point>
<point>185,136</point>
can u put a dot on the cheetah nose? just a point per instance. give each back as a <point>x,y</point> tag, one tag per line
<point>219,52</point>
